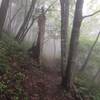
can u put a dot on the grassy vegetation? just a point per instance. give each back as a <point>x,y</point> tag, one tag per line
<point>94,61</point>
<point>11,55</point>
<point>86,84</point>
<point>87,87</point>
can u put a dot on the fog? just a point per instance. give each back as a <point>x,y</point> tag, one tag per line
<point>51,45</point>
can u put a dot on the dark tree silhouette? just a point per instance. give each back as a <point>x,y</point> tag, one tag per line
<point>64,32</point>
<point>21,33</point>
<point>3,13</point>
<point>74,42</point>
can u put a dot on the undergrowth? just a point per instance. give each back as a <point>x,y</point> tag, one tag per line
<point>87,87</point>
<point>12,54</point>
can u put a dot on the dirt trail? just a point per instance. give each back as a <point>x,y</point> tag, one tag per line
<point>44,85</point>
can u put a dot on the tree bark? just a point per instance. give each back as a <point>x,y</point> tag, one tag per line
<point>20,35</point>
<point>36,49</point>
<point>74,42</point>
<point>3,13</point>
<point>14,16</point>
<point>32,22</point>
<point>64,32</point>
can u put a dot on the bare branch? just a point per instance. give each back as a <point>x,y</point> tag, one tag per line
<point>35,18</point>
<point>45,10</point>
<point>89,54</point>
<point>50,6</point>
<point>90,15</point>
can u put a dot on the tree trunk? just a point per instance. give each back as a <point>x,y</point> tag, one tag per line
<point>14,16</point>
<point>89,54</point>
<point>36,49</point>
<point>26,8</point>
<point>64,32</point>
<point>67,80</point>
<point>20,35</point>
<point>3,13</point>
<point>9,16</point>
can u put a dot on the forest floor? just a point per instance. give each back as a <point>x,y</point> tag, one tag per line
<point>30,81</point>
<point>44,84</point>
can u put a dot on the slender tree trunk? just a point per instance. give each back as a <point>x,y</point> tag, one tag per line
<point>20,35</point>
<point>32,22</point>
<point>14,16</point>
<point>54,40</point>
<point>3,13</point>
<point>9,16</point>
<point>67,80</point>
<point>26,7</point>
<point>64,32</point>
<point>89,54</point>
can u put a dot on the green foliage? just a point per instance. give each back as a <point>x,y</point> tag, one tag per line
<point>10,48</point>
<point>11,79</point>
<point>11,85</point>
<point>3,49</point>
<point>84,48</point>
<point>3,69</point>
<point>88,87</point>
<point>3,87</point>
<point>19,76</point>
